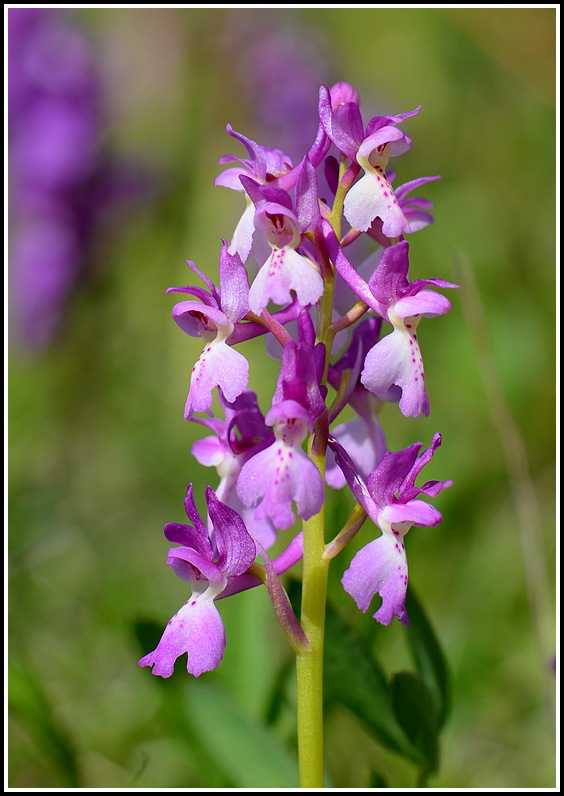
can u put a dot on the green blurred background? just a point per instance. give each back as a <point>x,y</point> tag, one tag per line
<point>100,456</point>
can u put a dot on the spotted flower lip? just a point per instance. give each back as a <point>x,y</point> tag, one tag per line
<point>283,473</point>
<point>415,209</point>
<point>389,497</point>
<point>209,562</point>
<point>219,365</point>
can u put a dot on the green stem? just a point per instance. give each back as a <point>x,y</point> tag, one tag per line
<point>315,566</point>
<point>310,662</point>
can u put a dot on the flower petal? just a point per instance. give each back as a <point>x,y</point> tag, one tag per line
<point>414,512</point>
<point>382,135</point>
<point>230,178</point>
<point>380,568</point>
<point>364,441</point>
<point>391,473</point>
<point>373,197</point>
<point>188,564</point>
<point>197,629</point>
<point>262,530</point>
<point>188,315</point>
<point>235,546</point>
<point>209,451</point>
<point>234,285</point>
<point>280,475</point>
<point>242,240</point>
<point>307,202</point>
<point>389,281</point>
<point>218,365</point>
<point>285,270</point>
<point>345,128</point>
<point>396,359</point>
<point>426,302</point>
<point>196,537</point>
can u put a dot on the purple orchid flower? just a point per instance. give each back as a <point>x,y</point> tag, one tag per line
<point>283,225</point>
<point>263,165</point>
<point>396,359</point>
<point>283,473</point>
<point>209,562</point>
<point>213,317</point>
<point>389,498</point>
<point>415,209</point>
<point>372,196</point>
<point>241,435</point>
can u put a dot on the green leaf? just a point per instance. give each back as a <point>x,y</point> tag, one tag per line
<point>377,781</point>
<point>30,702</point>
<point>415,711</point>
<point>248,753</point>
<point>428,656</point>
<point>354,679</point>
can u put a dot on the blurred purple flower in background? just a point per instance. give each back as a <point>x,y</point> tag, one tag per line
<point>279,63</point>
<point>61,179</point>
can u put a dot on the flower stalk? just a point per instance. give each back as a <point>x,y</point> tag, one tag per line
<point>309,664</point>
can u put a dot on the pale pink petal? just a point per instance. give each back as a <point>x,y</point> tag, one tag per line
<point>396,359</point>
<point>414,512</point>
<point>285,271</point>
<point>197,629</point>
<point>380,568</point>
<point>373,197</point>
<point>277,477</point>
<point>209,451</point>
<point>219,365</point>
<point>426,302</point>
<point>242,240</point>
